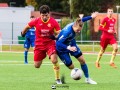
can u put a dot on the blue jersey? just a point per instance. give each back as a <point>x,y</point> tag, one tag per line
<point>30,38</point>
<point>67,38</point>
<point>30,33</point>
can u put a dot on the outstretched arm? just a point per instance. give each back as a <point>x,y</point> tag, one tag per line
<point>93,15</point>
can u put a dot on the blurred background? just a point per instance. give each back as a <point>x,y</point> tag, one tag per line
<point>15,14</point>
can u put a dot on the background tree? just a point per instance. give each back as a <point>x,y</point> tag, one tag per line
<point>55,5</point>
<point>75,7</point>
<point>84,6</point>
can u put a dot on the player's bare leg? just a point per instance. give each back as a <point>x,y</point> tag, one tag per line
<point>71,66</point>
<point>114,52</point>
<point>97,64</point>
<point>56,68</point>
<point>37,64</point>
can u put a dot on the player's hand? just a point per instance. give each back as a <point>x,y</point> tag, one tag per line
<point>73,48</point>
<point>115,36</point>
<point>52,37</point>
<point>94,14</point>
<point>115,32</point>
<point>23,35</point>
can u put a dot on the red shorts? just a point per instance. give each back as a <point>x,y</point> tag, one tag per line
<point>105,41</point>
<point>40,53</point>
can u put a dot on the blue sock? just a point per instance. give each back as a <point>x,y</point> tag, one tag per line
<point>25,55</point>
<point>85,70</point>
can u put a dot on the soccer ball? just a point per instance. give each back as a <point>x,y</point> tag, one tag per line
<point>76,74</point>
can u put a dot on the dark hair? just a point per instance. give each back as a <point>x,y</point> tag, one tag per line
<point>44,9</point>
<point>32,17</point>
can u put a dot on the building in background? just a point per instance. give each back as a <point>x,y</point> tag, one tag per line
<point>12,21</point>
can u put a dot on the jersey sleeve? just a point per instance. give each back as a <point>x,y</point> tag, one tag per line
<point>32,22</point>
<point>102,26</point>
<point>61,40</point>
<point>56,26</point>
<point>86,18</point>
<point>73,42</point>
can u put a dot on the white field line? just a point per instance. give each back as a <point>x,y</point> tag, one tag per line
<point>87,53</point>
<point>2,62</point>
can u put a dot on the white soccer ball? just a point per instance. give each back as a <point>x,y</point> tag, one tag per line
<point>76,74</point>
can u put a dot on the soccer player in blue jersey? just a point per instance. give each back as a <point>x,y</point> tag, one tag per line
<point>29,41</point>
<point>66,45</point>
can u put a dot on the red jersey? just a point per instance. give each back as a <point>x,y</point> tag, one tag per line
<point>107,24</point>
<point>44,30</point>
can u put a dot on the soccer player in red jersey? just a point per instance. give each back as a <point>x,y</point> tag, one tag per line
<point>108,37</point>
<point>45,27</point>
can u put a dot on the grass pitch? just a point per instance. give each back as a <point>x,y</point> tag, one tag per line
<point>15,75</point>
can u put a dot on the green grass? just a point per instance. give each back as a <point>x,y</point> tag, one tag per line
<point>15,75</point>
<point>83,47</point>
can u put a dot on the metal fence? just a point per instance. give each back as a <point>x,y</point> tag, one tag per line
<point>85,46</point>
<point>11,31</point>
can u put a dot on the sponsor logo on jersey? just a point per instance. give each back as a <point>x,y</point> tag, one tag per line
<point>49,25</point>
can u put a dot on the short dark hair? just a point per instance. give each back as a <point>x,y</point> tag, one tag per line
<point>32,16</point>
<point>44,9</point>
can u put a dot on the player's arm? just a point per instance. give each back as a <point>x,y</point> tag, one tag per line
<point>56,31</point>
<point>62,39</point>
<point>102,26</point>
<point>27,27</point>
<point>60,42</point>
<point>62,45</point>
<point>93,15</point>
<point>115,29</point>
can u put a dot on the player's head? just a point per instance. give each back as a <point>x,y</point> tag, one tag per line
<point>110,12</point>
<point>77,27</point>
<point>44,12</point>
<point>32,17</point>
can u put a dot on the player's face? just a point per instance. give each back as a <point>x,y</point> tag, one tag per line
<point>45,16</point>
<point>31,18</point>
<point>110,12</point>
<point>77,29</point>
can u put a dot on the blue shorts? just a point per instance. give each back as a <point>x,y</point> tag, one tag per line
<point>65,56</point>
<point>29,42</point>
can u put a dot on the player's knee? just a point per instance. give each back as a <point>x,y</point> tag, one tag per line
<point>37,65</point>
<point>71,66</point>
<point>101,52</point>
<point>54,61</point>
<point>82,62</point>
<point>116,49</point>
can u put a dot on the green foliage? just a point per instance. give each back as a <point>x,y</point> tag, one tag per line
<point>4,1</point>
<point>55,5</point>
<point>85,33</point>
<point>85,7</point>
<point>65,21</point>
<point>75,7</point>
